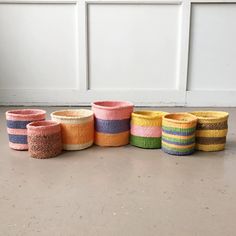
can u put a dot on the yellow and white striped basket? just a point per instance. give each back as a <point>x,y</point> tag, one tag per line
<point>212,128</point>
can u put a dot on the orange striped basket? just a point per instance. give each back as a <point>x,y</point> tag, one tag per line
<point>77,128</point>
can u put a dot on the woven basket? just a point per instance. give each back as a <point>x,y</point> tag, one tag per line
<point>146,129</point>
<point>212,130</point>
<point>112,122</point>
<point>77,128</point>
<point>178,133</point>
<point>44,139</point>
<point>17,121</point>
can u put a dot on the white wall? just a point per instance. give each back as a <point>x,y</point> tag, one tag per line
<point>150,52</point>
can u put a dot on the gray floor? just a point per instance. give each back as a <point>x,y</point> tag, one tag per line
<point>118,191</point>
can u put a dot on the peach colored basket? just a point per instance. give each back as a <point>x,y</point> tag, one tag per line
<point>77,128</point>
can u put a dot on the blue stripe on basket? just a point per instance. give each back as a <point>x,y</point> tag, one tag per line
<point>178,133</point>
<point>22,139</point>
<point>112,126</point>
<point>19,124</point>
<point>178,143</point>
<point>171,152</point>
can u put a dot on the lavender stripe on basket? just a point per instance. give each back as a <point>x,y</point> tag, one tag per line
<point>112,126</point>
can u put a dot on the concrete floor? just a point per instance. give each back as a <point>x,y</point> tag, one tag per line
<point>123,191</point>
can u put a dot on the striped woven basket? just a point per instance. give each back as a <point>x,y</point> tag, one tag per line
<point>146,129</point>
<point>44,139</point>
<point>178,133</point>
<point>212,130</point>
<point>77,128</point>
<point>17,121</point>
<point>112,122</point>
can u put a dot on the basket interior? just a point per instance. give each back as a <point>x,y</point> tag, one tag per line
<point>42,123</point>
<point>149,114</point>
<point>112,104</point>
<point>73,113</point>
<point>26,112</point>
<point>180,117</point>
<point>210,114</point>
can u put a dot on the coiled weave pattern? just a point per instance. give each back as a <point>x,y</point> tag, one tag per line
<point>17,121</point>
<point>178,133</point>
<point>77,128</point>
<point>112,122</point>
<point>146,129</point>
<point>212,128</point>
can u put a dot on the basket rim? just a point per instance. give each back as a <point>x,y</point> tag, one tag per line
<point>214,114</point>
<point>42,124</point>
<point>149,114</point>
<point>120,104</point>
<point>25,112</point>
<point>56,114</point>
<point>192,119</point>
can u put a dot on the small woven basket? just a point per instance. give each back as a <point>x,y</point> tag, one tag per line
<point>178,133</point>
<point>44,139</point>
<point>17,121</point>
<point>212,128</point>
<point>146,129</point>
<point>112,122</point>
<point>77,128</point>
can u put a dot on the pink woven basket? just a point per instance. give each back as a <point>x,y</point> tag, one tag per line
<point>112,122</point>
<point>44,139</point>
<point>16,126</point>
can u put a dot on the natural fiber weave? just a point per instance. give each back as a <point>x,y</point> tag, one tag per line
<point>178,133</point>
<point>212,128</point>
<point>44,139</point>
<point>77,128</point>
<point>112,122</point>
<point>17,121</point>
<point>146,129</point>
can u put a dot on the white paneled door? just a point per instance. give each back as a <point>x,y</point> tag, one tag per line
<point>153,53</point>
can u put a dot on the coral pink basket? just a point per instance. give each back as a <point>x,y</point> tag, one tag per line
<point>16,126</point>
<point>112,122</point>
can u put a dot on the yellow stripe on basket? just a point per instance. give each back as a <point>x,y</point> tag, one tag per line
<point>147,118</point>
<point>77,133</point>
<point>177,125</point>
<point>179,146</point>
<point>210,148</point>
<point>119,139</point>
<point>211,133</point>
<point>177,136</point>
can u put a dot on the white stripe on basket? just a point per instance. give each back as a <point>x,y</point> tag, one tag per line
<point>71,147</point>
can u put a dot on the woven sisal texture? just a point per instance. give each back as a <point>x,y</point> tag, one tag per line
<point>178,133</point>
<point>17,121</point>
<point>44,139</point>
<point>77,128</point>
<point>146,129</point>
<point>212,128</point>
<point>112,122</point>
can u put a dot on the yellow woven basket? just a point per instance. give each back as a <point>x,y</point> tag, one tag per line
<point>146,129</point>
<point>211,131</point>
